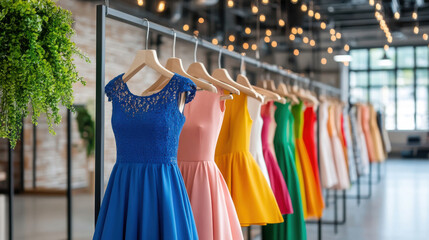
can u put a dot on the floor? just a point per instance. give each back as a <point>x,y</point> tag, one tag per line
<point>398,209</point>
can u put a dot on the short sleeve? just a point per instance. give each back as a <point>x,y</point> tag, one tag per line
<point>113,87</point>
<point>187,86</point>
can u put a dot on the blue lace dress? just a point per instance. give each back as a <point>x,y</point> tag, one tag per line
<point>146,197</point>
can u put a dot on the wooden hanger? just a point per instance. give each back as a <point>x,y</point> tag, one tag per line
<point>269,95</point>
<point>198,70</point>
<point>282,90</point>
<point>223,76</point>
<point>175,65</point>
<point>148,58</point>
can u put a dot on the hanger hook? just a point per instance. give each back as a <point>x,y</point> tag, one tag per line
<point>242,66</point>
<point>195,49</point>
<point>147,32</point>
<point>174,42</point>
<point>220,55</point>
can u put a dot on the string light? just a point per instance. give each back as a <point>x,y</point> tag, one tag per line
<point>161,6</point>
<point>416,30</point>
<point>317,16</point>
<point>246,45</point>
<point>425,36</point>
<point>267,39</point>
<point>293,1</point>
<point>230,3</point>
<point>346,48</point>
<point>332,31</point>
<point>304,7</point>
<point>255,9</point>
<point>323,25</point>
<point>397,15</point>
<point>265,2</point>
<point>323,61</point>
<point>231,38</point>
<point>415,15</point>
<point>310,13</point>
<point>201,20</point>
<point>140,2</point>
<point>294,30</point>
<point>378,6</point>
<point>296,52</point>
<point>215,41</point>
<point>185,27</point>
<point>273,44</point>
<point>312,43</point>
<point>281,22</point>
<point>386,47</point>
<point>262,18</point>
<point>371,2</point>
<point>254,47</point>
<point>338,35</point>
<point>268,32</point>
<point>305,40</point>
<point>196,32</point>
<point>231,48</point>
<point>330,50</point>
<point>333,38</point>
<point>292,37</point>
<point>300,31</point>
<point>247,30</point>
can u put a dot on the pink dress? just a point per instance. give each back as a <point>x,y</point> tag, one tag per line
<point>278,184</point>
<point>214,211</point>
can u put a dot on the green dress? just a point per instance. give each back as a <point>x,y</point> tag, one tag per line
<point>293,228</point>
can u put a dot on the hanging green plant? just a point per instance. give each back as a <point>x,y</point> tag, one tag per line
<point>86,127</point>
<point>36,63</point>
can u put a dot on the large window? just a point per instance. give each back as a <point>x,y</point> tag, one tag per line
<point>401,88</point>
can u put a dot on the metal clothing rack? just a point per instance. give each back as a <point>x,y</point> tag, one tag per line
<point>104,12</point>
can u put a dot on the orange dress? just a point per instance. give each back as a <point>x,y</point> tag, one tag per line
<point>367,132</point>
<point>253,198</point>
<point>376,136</point>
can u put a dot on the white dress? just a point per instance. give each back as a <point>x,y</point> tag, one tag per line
<point>350,143</point>
<point>364,149</point>
<point>254,107</point>
<point>328,173</point>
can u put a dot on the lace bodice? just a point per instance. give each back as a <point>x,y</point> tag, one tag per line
<point>147,128</point>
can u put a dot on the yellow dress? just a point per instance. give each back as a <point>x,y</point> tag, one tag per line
<point>253,198</point>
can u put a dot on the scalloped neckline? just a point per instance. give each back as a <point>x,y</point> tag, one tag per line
<point>151,95</point>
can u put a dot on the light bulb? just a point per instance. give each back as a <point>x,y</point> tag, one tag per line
<point>323,25</point>
<point>230,3</point>
<point>425,36</point>
<point>414,15</point>
<point>268,32</point>
<point>267,39</point>
<point>293,1</point>
<point>247,30</point>
<point>312,43</point>
<point>305,40</point>
<point>378,6</point>
<point>140,2</point>
<point>215,41</point>
<point>231,38</point>
<point>246,45</point>
<point>292,37</point>
<point>265,1</point>
<point>332,31</point>
<point>254,47</point>
<point>389,39</point>
<point>346,48</point>
<point>255,9</point>
<point>281,22</point>
<point>317,16</point>
<point>333,38</point>
<point>185,27</point>
<point>330,50</point>
<point>346,64</point>
<point>371,2</point>
<point>161,6</point>
<point>201,20</point>
<point>303,7</point>
<point>386,47</point>
<point>262,18</point>
<point>323,61</point>
<point>338,35</point>
<point>300,31</point>
<point>294,30</point>
<point>273,44</point>
<point>231,48</point>
<point>196,32</point>
<point>296,52</point>
<point>397,15</point>
<point>416,30</point>
<point>310,13</point>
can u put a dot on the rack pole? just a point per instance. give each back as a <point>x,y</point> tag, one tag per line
<point>69,177</point>
<point>319,222</point>
<point>21,164</point>
<point>99,107</point>
<point>34,156</point>
<point>11,190</point>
